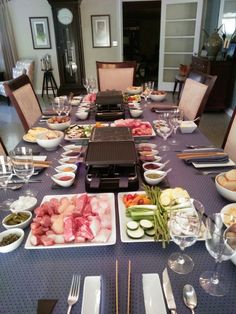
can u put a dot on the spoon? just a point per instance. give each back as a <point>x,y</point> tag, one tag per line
<point>190,297</point>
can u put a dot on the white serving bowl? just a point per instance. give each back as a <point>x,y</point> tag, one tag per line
<point>136,113</point>
<point>24,203</point>
<point>158,97</point>
<point>66,183</point>
<point>154,181</point>
<point>133,90</point>
<point>226,193</point>
<point>11,247</point>
<point>21,225</point>
<point>50,144</point>
<point>157,165</point>
<point>82,114</point>
<point>58,124</point>
<point>63,168</point>
<point>188,126</point>
<point>228,214</point>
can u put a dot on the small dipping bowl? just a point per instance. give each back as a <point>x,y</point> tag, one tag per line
<point>153,177</point>
<point>68,161</point>
<point>151,158</point>
<point>22,225</point>
<point>82,114</point>
<point>14,245</point>
<point>71,153</point>
<point>153,166</point>
<point>66,168</point>
<point>64,179</point>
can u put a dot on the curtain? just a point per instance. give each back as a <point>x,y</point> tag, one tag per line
<point>7,40</point>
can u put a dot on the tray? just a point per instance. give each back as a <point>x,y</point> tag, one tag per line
<point>230,163</point>
<point>111,241</point>
<point>85,139</point>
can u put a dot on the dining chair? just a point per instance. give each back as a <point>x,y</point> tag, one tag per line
<point>23,97</point>
<point>3,150</point>
<point>115,75</point>
<point>229,143</point>
<point>195,93</point>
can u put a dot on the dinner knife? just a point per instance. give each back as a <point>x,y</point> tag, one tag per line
<point>170,300</point>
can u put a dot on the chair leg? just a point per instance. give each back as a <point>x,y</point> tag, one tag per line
<point>175,86</point>
<point>180,88</point>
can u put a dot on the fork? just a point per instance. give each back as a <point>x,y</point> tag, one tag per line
<point>74,292</point>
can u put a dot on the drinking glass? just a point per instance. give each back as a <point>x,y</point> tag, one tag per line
<point>23,165</point>
<point>92,85</point>
<point>58,104</point>
<point>177,117</point>
<point>213,282</point>
<point>5,176</point>
<point>86,84</point>
<point>164,128</point>
<point>185,227</point>
<point>67,106</point>
<point>147,89</point>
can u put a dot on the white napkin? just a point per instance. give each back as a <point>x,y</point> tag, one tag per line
<point>91,295</point>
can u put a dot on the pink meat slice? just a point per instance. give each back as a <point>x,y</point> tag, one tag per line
<point>69,229</point>
<point>103,236</point>
<point>94,225</point>
<point>80,203</point>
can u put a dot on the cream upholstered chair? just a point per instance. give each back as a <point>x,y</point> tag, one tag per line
<point>3,150</point>
<point>22,96</point>
<point>25,66</point>
<point>229,143</point>
<point>115,75</point>
<point>195,93</point>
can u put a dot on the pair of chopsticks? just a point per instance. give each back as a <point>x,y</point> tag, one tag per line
<point>128,287</point>
<point>37,163</point>
<point>200,155</point>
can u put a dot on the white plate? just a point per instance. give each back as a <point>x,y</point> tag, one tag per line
<point>153,295</point>
<point>213,165</point>
<point>111,241</point>
<point>91,295</point>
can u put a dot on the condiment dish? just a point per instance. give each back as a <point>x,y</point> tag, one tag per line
<point>64,179</point>
<point>146,146</point>
<point>82,114</point>
<point>153,177</point>
<point>13,220</point>
<point>72,147</point>
<point>228,214</point>
<point>152,152</point>
<point>230,233</point>
<point>153,166</point>
<point>66,168</point>
<point>136,113</point>
<point>187,127</point>
<point>14,245</point>
<point>68,161</point>
<point>71,153</point>
<point>24,203</point>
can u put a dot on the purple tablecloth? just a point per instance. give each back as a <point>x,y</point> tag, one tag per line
<point>29,275</point>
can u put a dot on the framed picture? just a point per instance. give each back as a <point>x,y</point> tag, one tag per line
<point>40,32</point>
<point>101,31</point>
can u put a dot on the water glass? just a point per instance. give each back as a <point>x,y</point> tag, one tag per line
<point>58,104</point>
<point>85,82</point>
<point>177,117</point>
<point>5,176</point>
<point>164,128</point>
<point>67,107</point>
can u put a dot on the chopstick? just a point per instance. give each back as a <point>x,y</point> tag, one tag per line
<point>117,287</point>
<point>199,155</point>
<point>37,163</point>
<point>129,287</point>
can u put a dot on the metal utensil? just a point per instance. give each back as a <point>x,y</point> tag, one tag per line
<point>14,187</point>
<point>199,146</point>
<point>74,292</point>
<point>203,172</point>
<point>190,297</point>
<point>22,181</point>
<point>170,300</point>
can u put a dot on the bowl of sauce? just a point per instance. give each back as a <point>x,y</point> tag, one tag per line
<point>64,179</point>
<point>153,177</point>
<point>153,166</point>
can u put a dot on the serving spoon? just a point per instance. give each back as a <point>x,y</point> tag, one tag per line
<point>190,297</point>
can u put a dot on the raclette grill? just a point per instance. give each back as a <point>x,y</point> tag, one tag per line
<point>111,134</point>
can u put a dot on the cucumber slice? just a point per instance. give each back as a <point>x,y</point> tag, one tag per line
<point>150,232</point>
<point>132,225</point>
<point>135,234</point>
<point>146,224</point>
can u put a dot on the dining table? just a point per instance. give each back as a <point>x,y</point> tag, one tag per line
<point>27,276</point>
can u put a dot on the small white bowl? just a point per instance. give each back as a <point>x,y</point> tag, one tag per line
<point>11,247</point>
<point>72,147</point>
<point>154,181</point>
<point>82,114</point>
<point>60,126</point>
<point>71,153</point>
<point>158,97</point>
<point>133,90</point>
<point>156,165</point>
<point>21,225</point>
<point>64,183</point>
<point>226,193</point>
<point>63,168</point>
<point>136,113</point>
<point>152,152</point>
<point>24,203</point>
<point>146,146</point>
<point>154,158</point>
<point>228,214</point>
<point>68,161</point>
<point>50,144</point>
<point>188,126</point>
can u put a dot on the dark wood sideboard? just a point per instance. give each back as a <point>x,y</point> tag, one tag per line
<point>220,97</point>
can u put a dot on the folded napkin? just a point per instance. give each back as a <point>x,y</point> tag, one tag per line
<point>206,156</point>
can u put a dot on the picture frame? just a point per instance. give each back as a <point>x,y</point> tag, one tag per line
<point>101,31</point>
<point>40,32</point>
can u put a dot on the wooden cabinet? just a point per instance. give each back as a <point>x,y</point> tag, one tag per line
<point>221,94</point>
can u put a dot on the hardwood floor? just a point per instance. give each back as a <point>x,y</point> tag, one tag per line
<point>213,125</point>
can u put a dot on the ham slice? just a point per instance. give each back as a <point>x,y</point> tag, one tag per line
<point>103,236</point>
<point>69,229</point>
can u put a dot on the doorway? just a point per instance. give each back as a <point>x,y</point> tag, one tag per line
<point>141,37</point>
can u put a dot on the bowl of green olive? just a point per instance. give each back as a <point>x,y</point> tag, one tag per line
<point>19,219</point>
<point>11,239</point>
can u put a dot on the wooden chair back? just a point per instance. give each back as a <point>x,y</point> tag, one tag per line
<point>3,150</point>
<point>195,93</point>
<point>115,75</point>
<point>229,143</point>
<point>23,97</point>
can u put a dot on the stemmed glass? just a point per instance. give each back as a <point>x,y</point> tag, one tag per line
<point>92,85</point>
<point>5,176</point>
<point>86,84</point>
<point>23,165</point>
<point>177,117</point>
<point>218,245</point>
<point>67,106</point>
<point>185,226</point>
<point>164,128</point>
<point>147,89</point>
<point>58,105</point>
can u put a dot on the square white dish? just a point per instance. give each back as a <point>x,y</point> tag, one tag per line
<point>111,241</point>
<point>91,295</point>
<point>213,165</point>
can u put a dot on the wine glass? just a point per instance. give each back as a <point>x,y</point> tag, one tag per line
<point>5,176</point>
<point>185,227</point>
<point>92,85</point>
<point>147,89</point>
<point>177,117</point>
<point>164,128</point>
<point>218,246</point>
<point>23,165</point>
<point>67,106</point>
<point>58,104</point>
<point>85,82</point>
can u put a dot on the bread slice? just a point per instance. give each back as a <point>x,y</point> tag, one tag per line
<point>231,175</point>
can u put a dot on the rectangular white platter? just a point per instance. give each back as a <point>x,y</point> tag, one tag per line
<point>123,221</point>
<point>83,139</point>
<point>230,163</point>
<point>111,241</point>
